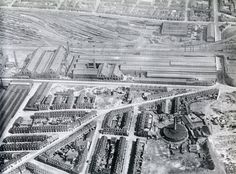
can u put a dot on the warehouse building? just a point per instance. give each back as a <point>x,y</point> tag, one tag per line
<point>210,33</point>
<point>45,63</point>
<point>109,71</point>
<point>176,29</point>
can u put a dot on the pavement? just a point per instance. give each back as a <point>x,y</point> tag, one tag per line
<point>93,145</point>
<point>98,83</point>
<point>48,168</point>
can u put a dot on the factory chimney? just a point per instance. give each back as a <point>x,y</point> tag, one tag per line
<point>175,123</point>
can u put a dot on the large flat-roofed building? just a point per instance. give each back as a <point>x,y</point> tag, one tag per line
<point>58,57</point>
<point>173,28</point>
<point>35,58</point>
<point>81,67</point>
<point>163,68</point>
<point>46,56</point>
<point>45,63</point>
<point>210,35</point>
<point>171,67</point>
<point>109,71</point>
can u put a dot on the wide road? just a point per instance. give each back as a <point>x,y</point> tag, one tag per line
<point>114,51</point>
<point>97,83</point>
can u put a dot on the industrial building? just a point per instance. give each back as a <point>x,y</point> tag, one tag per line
<point>175,132</point>
<point>190,68</point>
<point>210,33</point>
<point>171,68</point>
<point>45,63</point>
<point>176,29</point>
<point>88,112</point>
<point>109,71</point>
<point>91,69</point>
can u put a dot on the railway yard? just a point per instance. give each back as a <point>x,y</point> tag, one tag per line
<point>117,87</point>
